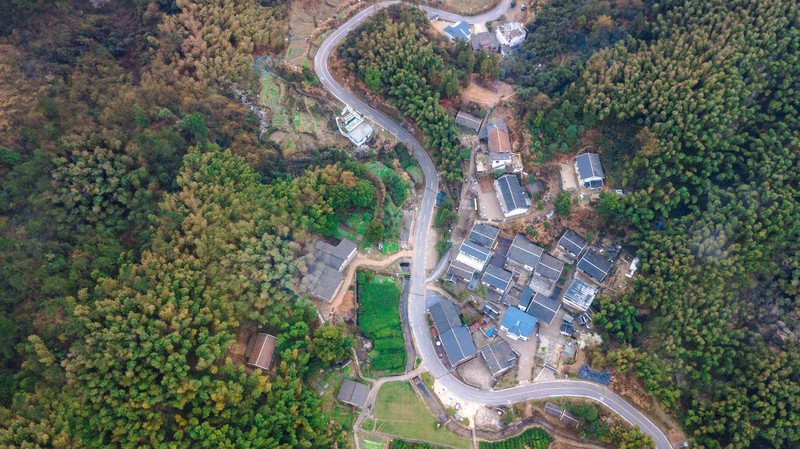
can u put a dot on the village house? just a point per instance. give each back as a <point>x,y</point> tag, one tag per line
<point>261,351</point>
<point>353,393</point>
<point>572,243</point>
<point>485,41</point>
<point>353,126</point>
<point>455,337</point>
<point>595,265</point>
<point>517,324</point>
<point>500,357</point>
<point>514,200</point>
<point>460,30</point>
<point>325,272</point>
<point>524,253</point>
<point>579,296</point>
<point>468,121</point>
<point>590,172</point>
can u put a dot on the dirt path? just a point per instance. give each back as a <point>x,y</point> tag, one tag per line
<point>360,261</point>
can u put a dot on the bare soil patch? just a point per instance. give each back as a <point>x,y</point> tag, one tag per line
<point>486,184</point>
<point>489,95</point>
<point>463,7</point>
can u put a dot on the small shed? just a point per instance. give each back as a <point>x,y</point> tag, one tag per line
<point>262,351</point>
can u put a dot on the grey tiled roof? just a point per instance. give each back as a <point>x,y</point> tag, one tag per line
<point>353,393</point>
<point>468,121</point>
<point>595,265</point>
<point>524,252</point>
<point>458,345</point>
<point>512,196</point>
<point>483,234</point>
<point>572,242</point>
<point>589,166</point>
<point>499,356</point>
<point>445,316</point>
<point>475,251</point>
<point>497,277</point>
<point>460,271</point>
<point>549,267</point>
<point>544,308</point>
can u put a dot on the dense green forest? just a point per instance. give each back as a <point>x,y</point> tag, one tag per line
<point>397,55</point>
<point>694,105</point>
<point>145,226</point>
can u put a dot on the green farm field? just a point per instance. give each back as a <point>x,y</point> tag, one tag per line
<point>379,319</point>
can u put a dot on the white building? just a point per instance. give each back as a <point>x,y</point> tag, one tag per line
<point>511,34</point>
<point>514,200</point>
<point>354,127</point>
<point>473,255</point>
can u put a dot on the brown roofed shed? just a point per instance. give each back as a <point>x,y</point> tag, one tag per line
<point>262,351</point>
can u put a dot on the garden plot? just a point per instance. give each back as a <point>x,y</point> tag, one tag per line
<point>298,123</point>
<point>304,18</point>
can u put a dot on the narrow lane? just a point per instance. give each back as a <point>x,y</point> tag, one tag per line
<point>416,300</point>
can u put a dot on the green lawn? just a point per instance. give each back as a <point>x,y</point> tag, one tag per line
<point>379,319</point>
<point>400,412</point>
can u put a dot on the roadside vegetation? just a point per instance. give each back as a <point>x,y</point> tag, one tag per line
<point>379,319</point>
<point>534,438</point>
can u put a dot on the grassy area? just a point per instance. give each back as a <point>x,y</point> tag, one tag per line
<point>379,319</point>
<point>415,173</point>
<point>400,412</point>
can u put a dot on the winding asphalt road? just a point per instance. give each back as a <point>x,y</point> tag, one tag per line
<point>416,302</point>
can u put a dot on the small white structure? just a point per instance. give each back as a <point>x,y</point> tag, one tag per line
<point>500,159</point>
<point>511,34</point>
<point>632,268</point>
<point>353,126</point>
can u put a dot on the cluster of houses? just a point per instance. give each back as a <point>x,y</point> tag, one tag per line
<point>512,197</point>
<point>503,39</point>
<point>456,346</point>
<point>521,275</point>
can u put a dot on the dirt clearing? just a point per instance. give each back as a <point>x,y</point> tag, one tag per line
<point>490,95</point>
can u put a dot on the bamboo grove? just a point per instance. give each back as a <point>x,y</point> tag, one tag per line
<point>694,106</point>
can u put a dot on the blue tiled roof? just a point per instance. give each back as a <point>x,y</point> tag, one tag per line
<point>518,322</point>
<point>459,30</point>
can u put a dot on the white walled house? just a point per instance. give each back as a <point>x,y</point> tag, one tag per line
<point>511,34</point>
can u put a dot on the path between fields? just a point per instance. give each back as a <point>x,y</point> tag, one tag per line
<point>361,261</point>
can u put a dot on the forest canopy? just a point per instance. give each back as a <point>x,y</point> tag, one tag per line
<point>694,106</point>
<point>145,225</point>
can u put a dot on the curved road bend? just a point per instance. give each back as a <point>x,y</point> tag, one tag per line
<point>416,301</point>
